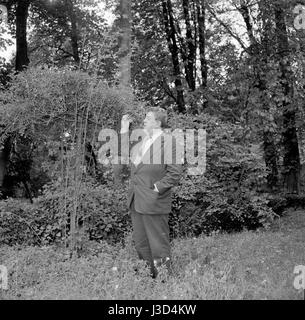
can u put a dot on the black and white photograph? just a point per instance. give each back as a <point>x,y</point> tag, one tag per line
<point>152,150</point>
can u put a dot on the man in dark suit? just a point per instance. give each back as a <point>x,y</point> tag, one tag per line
<point>154,171</point>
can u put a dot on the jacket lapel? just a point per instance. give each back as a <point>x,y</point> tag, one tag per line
<point>154,152</point>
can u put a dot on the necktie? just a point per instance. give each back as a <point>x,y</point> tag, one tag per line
<point>142,148</point>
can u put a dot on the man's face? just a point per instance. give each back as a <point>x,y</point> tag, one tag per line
<point>150,122</point>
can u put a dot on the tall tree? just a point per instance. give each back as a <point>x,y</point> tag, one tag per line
<point>190,47</point>
<point>22,11</point>
<point>152,70</point>
<point>74,30</point>
<point>291,159</point>
<point>183,34</point>
<point>171,36</point>
<point>202,41</point>
<point>70,33</point>
<point>19,9</point>
<point>259,57</point>
<point>125,43</point>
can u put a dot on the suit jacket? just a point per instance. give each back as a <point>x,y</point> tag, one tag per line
<point>153,169</point>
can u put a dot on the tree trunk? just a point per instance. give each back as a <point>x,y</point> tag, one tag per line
<point>202,45</point>
<point>124,41</point>
<point>125,72</point>
<point>2,166</point>
<point>4,158</point>
<point>74,32</point>
<point>22,60</point>
<point>174,50</point>
<point>291,161</point>
<point>270,150</point>
<point>191,49</point>
<point>259,60</point>
<point>271,159</point>
<point>244,10</point>
<point>27,190</point>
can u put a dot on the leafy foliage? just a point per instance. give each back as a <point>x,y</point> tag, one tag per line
<point>101,210</point>
<point>226,198</point>
<point>52,112</point>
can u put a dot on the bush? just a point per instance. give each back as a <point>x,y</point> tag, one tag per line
<point>22,223</point>
<point>101,212</point>
<point>228,196</point>
<point>50,116</point>
<point>220,214</point>
<point>103,215</point>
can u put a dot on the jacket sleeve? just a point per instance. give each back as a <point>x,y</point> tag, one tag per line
<point>173,171</point>
<point>124,147</point>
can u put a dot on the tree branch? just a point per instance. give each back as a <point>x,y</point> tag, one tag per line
<point>215,16</point>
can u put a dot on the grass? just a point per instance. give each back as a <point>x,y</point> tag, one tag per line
<point>247,265</point>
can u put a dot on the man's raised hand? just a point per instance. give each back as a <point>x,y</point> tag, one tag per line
<point>125,122</point>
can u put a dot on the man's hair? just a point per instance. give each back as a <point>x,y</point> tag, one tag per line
<point>160,115</point>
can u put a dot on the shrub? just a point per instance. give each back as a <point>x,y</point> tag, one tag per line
<point>103,214</point>
<point>228,196</point>
<point>50,116</point>
<point>22,223</point>
<point>220,214</point>
<point>101,211</point>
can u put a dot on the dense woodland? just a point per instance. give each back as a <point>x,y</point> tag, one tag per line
<point>234,68</point>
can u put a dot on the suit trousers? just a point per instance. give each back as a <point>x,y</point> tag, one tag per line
<point>151,238</point>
